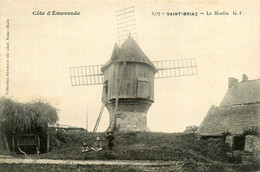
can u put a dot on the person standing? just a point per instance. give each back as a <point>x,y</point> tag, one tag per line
<point>110,139</point>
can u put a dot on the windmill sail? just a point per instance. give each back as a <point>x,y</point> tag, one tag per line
<point>92,75</point>
<point>175,68</point>
<point>86,75</point>
<point>126,24</point>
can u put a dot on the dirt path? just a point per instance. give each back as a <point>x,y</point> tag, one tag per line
<point>88,162</point>
<point>16,164</point>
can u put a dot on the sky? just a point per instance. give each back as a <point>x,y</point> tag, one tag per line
<point>42,48</point>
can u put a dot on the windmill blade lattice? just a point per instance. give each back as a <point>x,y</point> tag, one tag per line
<point>86,75</point>
<point>175,68</point>
<point>126,24</point>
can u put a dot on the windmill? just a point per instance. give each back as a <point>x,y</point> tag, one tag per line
<point>128,78</point>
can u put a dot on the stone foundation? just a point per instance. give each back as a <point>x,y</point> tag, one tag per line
<point>131,115</point>
<point>248,157</point>
<point>252,149</point>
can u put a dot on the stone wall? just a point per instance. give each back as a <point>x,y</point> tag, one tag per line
<point>252,143</point>
<point>252,149</point>
<point>133,121</point>
<point>131,114</point>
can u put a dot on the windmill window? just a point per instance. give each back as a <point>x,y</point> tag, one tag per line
<point>106,86</point>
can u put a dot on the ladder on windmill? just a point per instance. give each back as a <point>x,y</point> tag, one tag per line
<point>99,118</point>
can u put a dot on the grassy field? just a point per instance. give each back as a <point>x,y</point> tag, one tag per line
<point>141,146</point>
<point>65,168</point>
<point>193,154</point>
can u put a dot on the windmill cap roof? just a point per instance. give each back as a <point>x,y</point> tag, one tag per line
<point>129,52</point>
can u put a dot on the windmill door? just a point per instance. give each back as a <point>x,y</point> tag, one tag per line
<point>143,88</point>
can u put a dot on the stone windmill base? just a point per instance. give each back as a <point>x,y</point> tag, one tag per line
<point>131,115</point>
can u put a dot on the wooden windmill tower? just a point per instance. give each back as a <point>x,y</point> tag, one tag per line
<point>128,78</point>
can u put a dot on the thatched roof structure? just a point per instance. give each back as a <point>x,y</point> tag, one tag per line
<point>238,112</point>
<point>242,93</point>
<point>233,119</point>
<point>129,52</point>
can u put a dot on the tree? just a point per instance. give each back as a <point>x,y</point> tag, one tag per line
<point>191,129</point>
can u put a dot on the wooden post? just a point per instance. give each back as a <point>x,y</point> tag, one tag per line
<point>6,143</point>
<point>39,143</point>
<point>48,142</point>
<point>13,142</point>
<point>87,119</point>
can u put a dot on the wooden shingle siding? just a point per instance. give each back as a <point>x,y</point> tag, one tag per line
<point>127,82</point>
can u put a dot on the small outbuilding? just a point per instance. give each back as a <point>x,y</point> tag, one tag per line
<point>237,117</point>
<point>238,112</point>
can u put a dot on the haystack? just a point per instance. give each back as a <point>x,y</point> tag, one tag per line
<point>25,123</point>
